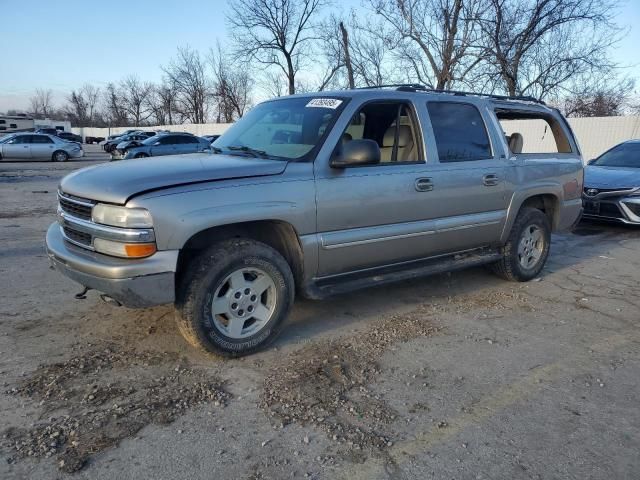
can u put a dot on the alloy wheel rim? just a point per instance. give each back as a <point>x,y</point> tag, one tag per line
<point>243,302</point>
<point>60,156</point>
<point>531,247</point>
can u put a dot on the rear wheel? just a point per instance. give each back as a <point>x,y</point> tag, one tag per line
<point>527,249</point>
<point>234,297</point>
<point>60,156</point>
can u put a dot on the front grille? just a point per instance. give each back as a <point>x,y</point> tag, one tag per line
<point>78,208</point>
<point>76,236</point>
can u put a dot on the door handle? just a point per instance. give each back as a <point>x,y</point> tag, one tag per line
<point>423,185</point>
<point>490,180</point>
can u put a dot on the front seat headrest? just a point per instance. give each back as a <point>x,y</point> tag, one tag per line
<point>405,138</point>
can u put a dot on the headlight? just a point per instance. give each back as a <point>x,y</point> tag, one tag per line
<point>125,250</point>
<point>121,216</point>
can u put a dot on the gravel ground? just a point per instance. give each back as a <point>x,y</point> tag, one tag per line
<point>457,376</point>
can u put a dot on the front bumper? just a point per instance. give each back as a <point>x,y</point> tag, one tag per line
<point>624,209</point>
<point>135,283</point>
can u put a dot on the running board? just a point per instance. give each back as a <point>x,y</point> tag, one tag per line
<point>328,286</point>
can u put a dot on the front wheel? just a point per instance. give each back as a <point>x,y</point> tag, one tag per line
<point>140,155</point>
<point>527,248</point>
<point>234,297</point>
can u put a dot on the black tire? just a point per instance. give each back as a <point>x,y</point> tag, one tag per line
<point>203,279</point>
<point>511,267</point>
<point>140,155</point>
<point>59,156</point>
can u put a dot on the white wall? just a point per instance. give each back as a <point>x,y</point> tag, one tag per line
<point>196,129</point>
<point>595,134</point>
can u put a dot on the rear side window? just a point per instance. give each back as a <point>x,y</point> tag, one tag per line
<point>532,132</point>
<point>40,139</point>
<point>461,135</point>
<point>170,140</point>
<point>186,139</point>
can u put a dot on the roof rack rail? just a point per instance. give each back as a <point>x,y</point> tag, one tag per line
<point>523,98</point>
<point>415,87</point>
<point>411,87</point>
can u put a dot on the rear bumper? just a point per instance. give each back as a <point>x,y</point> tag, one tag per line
<point>134,283</point>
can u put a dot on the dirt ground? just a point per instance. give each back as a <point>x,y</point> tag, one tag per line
<point>460,375</point>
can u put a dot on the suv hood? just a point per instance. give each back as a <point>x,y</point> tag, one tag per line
<point>118,182</point>
<point>611,177</point>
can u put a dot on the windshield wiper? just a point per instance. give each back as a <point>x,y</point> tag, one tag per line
<point>253,151</point>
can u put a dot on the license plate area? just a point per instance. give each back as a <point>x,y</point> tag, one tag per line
<point>592,208</point>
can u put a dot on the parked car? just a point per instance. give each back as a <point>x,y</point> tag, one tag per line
<point>111,145</point>
<point>117,135</point>
<point>128,141</point>
<point>48,131</point>
<point>168,144</point>
<point>211,138</point>
<point>125,140</point>
<point>71,137</point>
<point>612,185</point>
<point>35,146</point>
<point>362,194</point>
<point>92,140</point>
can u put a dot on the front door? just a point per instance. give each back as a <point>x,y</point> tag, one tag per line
<point>42,147</point>
<point>18,147</point>
<point>379,214</point>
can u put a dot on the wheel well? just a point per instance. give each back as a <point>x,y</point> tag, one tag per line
<point>548,204</point>
<point>279,235</point>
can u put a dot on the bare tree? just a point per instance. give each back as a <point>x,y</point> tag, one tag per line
<point>114,103</point>
<point>355,53</point>
<point>606,98</point>
<point>232,86</point>
<point>274,32</point>
<point>91,96</point>
<point>76,109</point>
<point>135,97</point>
<point>42,103</point>
<point>188,78</point>
<point>273,83</point>
<point>437,39</point>
<point>162,104</point>
<point>537,46</point>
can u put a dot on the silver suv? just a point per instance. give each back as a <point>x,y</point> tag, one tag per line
<point>319,194</point>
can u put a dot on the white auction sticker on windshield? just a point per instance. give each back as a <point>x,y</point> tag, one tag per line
<point>332,103</point>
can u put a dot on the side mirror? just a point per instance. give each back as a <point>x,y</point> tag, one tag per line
<point>591,161</point>
<point>355,153</point>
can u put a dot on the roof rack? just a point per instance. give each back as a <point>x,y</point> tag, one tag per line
<point>414,87</point>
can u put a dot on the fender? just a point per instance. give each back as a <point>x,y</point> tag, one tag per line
<point>521,195</point>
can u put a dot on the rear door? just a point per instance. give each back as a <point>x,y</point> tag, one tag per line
<point>18,147</point>
<point>188,144</point>
<point>166,145</point>
<point>468,177</point>
<point>42,147</point>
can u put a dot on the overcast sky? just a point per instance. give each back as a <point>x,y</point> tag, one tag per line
<point>62,45</point>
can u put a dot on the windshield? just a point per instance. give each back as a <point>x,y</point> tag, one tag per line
<point>623,155</point>
<point>286,128</point>
<point>6,138</point>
